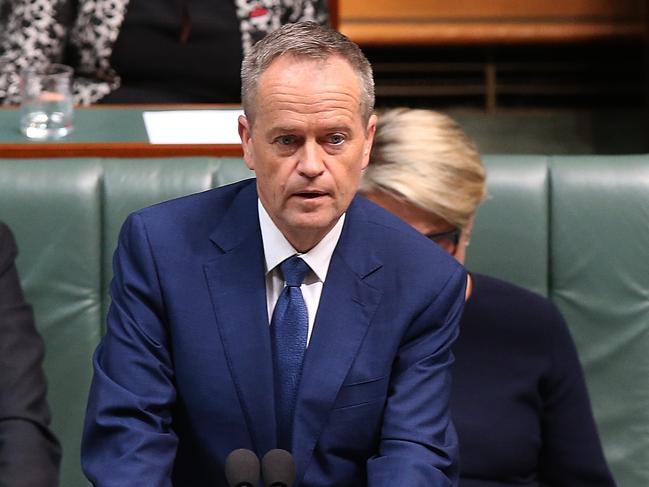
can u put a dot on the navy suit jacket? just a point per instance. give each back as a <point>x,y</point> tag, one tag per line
<point>184,373</point>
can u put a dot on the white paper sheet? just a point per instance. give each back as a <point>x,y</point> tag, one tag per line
<point>192,126</point>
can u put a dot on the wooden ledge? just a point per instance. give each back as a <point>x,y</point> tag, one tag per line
<point>388,33</point>
<point>117,149</point>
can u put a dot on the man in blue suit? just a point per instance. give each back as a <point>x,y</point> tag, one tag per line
<point>213,344</point>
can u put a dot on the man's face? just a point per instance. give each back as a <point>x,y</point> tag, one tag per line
<point>308,144</point>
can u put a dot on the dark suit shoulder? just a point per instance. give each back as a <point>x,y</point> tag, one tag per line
<point>195,217</point>
<point>211,199</point>
<point>8,249</point>
<point>4,231</point>
<point>399,242</point>
<point>10,291</point>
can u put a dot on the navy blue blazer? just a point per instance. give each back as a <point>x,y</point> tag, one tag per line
<point>184,373</point>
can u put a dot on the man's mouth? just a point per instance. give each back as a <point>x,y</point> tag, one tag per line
<point>310,194</point>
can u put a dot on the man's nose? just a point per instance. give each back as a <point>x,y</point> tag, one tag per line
<point>311,162</point>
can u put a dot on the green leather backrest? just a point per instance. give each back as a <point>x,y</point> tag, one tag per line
<point>66,215</point>
<point>600,280</point>
<point>510,235</point>
<point>54,209</point>
<point>575,229</point>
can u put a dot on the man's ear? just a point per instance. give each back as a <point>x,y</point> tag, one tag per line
<point>369,139</point>
<point>245,133</point>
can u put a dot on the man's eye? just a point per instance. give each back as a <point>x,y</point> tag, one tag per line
<point>285,140</point>
<point>336,139</point>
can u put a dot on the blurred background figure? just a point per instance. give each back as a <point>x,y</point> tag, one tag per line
<point>142,51</point>
<point>29,452</point>
<point>519,402</point>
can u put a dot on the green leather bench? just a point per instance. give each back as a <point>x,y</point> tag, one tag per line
<point>573,228</point>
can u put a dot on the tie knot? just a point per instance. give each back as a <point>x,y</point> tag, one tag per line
<point>294,269</point>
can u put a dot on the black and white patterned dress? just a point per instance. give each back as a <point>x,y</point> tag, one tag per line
<point>84,32</point>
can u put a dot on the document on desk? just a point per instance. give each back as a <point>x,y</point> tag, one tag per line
<point>192,126</point>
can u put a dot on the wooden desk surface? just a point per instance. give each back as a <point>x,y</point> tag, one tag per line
<point>106,131</point>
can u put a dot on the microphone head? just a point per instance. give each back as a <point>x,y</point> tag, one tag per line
<point>242,468</point>
<point>278,469</point>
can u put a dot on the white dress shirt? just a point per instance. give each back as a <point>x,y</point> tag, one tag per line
<point>277,249</point>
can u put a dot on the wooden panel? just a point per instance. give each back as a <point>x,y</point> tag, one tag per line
<point>403,33</point>
<point>493,9</point>
<point>118,149</point>
<point>398,22</point>
<point>334,13</point>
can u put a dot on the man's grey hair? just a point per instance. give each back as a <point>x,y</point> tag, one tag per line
<point>307,40</point>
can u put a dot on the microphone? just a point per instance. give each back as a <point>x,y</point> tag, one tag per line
<point>278,469</point>
<point>242,468</point>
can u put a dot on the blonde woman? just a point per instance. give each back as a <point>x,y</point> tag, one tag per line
<point>520,404</point>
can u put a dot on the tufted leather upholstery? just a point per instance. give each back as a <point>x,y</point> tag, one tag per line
<point>573,228</point>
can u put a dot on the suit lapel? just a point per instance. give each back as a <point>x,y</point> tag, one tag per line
<point>236,282</point>
<point>237,287</point>
<point>346,307</point>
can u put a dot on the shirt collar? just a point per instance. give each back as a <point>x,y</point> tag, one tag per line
<point>277,248</point>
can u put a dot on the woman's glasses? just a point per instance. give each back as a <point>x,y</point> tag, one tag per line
<point>448,239</point>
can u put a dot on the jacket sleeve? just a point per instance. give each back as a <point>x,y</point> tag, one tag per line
<point>128,436</point>
<point>571,454</point>
<point>419,446</point>
<point>29,452</point>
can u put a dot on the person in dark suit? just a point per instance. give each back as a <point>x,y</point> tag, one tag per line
<point>29,452</point>
<point>519,399</point>
<point>281,311</point>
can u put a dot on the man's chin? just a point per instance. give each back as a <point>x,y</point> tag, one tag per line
<point>312,222</point>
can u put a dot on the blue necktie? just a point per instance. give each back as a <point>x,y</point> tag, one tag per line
<point>288,330</point>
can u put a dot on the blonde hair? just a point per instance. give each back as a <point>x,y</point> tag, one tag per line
<point>425,158</point>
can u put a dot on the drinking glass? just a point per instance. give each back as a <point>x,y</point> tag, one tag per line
<point>46,109</point>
